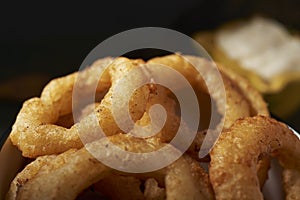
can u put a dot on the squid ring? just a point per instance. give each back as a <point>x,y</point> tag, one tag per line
<point>69,175</point>
<point>233,172</point>
<point>35,131</point>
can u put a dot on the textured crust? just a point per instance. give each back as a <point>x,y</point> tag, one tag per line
<point>64,176</point>
<point>234,158</point>
<point>38,122</point>
<point>186,181</point>
<point>255,99</point>
<point>201,178</point>
<point>35,124</point>
<point>44,126</point>
<point>57,177</point>
<point>242,100</point>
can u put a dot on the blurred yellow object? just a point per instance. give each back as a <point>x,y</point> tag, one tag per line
<point>277,71</point>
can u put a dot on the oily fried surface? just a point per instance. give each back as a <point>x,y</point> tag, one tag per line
<point>257,104</point>
<point>233,160</point>
<point>64,168</point>
<point>242,99</point>
<point>64,176</point>
<point>35,124</point>
<point>57,177</point>
<point>47,119</point>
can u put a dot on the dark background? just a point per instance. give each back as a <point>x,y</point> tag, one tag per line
<point>40,41</point>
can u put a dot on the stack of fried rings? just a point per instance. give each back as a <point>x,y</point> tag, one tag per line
<point>44,130</point>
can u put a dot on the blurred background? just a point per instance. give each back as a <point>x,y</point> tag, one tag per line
<point>40,41</point>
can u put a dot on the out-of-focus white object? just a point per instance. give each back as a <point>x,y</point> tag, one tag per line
<point>261,45</point>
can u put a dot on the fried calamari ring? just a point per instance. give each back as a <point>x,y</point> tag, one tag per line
<point>233,171</point>
<point>242,100</point>
<point>47,120</point>
<point>35,132</point>
<point>263,164</point>
<point>58,92</point>
<point>48,129</point>
<point>255,99</point>
<point>69,173</point>
<point>181,64</point>
<point>57,177</point>
<point>237,105</point>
